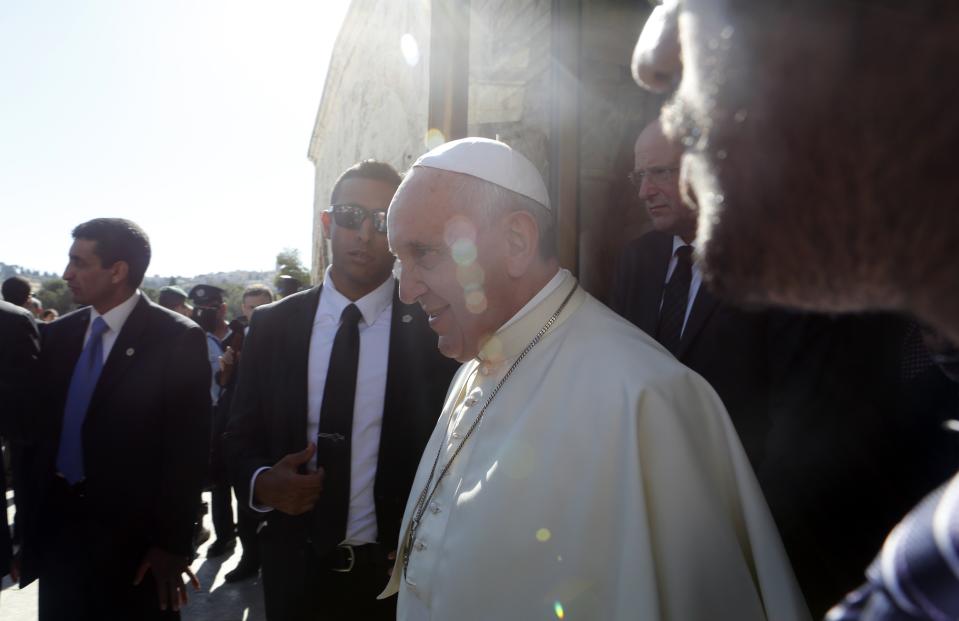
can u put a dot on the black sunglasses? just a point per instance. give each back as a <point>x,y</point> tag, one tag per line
<point>352,216</point>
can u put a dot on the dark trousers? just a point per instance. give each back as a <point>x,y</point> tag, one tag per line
<point>299,586</point>
<point>221,511</point>
<point>86,576</point>
<point>246,526</point>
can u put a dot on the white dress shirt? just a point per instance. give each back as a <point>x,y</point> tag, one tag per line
<point>694,284</point>
<point>114,318</point>
<point>377,310</point>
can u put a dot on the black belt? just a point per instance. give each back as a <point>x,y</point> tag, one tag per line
<point>345,558</point>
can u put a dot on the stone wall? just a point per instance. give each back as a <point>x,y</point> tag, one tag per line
<point>509,76</point>
<point>374,102</point>
<point>613,109</point>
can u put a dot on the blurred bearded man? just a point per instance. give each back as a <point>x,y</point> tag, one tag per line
<point>802,126</point>
<point>577,468</point>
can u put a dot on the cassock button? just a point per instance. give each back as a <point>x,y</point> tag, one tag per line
<point>457,435</point>
<point>434,508</point>
<point>470,402</point>
<point>419,545</point>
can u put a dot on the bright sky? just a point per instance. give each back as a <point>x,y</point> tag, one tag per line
<point>190,117</point>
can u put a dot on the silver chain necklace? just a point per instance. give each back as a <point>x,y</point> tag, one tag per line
<point>426,495</point>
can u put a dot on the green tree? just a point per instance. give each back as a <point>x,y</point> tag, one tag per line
<point>288,263</point>
<point>54,293</point>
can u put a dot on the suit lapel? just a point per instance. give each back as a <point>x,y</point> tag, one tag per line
<point>650,303</point>
<point>123,352</point>
<point>405,361</point>
<point>402,356</point>
<point>298,337</point>
<point>63,351</point>
<point>73,345</point>
<point>703,307</point>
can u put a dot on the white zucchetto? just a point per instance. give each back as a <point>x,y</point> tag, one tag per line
<point>489,160</point>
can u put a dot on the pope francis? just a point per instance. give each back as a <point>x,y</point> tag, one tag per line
<point>578,470</point>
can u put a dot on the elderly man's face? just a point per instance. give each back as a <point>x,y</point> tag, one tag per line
<point>801,128</point>
<point>451,261</point>
<point>656,177</point>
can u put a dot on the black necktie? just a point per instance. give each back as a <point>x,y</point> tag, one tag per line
<point>675,298</point>
<point>336,426</point>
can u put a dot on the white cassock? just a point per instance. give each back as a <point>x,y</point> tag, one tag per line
<point>605,481</point>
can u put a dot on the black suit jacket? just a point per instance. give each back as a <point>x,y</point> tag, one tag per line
<point>268,419</point>
<point>845,448</point>
<point>734,350</point>
<point>145,438</point>
<point>18,357</point>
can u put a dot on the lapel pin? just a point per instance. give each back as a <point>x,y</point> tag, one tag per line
<point>407,318</point>
<point>129,351</point>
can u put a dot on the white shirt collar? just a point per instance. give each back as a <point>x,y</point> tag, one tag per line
<point>371,305</point>
<point>548,288</point>
<point>118,315</point>
<point>679,243</point>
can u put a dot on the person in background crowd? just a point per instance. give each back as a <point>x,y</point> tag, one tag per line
<point>254,296</point>
<point>577,468</point>
<point>287,285</point>
<point>801,124</point>
<point>49,315</point>
<point>18,362</point>
<point>35,306</point>
<point>209,311</point>
<point>16,290</point>
<point>338,390</point>
<point>658,287</point>
<point>175,299</point>
<point>107,524</point>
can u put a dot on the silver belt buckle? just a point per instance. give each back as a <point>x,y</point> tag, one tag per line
<point>350,562</point>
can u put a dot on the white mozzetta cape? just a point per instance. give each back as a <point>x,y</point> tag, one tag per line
<point>604,482</point>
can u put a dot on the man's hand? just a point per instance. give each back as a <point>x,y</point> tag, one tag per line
<point>391,557</point>
<point>285,489</point>
<point>228,362</point>
<point>168,570</point>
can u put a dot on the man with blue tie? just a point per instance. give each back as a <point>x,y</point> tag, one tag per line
<point>112,481</point>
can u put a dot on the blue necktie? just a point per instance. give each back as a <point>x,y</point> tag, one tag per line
<point>84,381</point>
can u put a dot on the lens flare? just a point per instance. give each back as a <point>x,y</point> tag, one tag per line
<point>543,535</point>
<point>463,251</point>
<point>476,301</point>
<point>470,276</point>
<point>558,609</point>
<point>434,138</point>
<point>458,227</point>
<point>410,50</point>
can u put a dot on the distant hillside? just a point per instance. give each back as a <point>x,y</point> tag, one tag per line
<point>6,271</point>
<point>236,277</point>
<point>53,293</point>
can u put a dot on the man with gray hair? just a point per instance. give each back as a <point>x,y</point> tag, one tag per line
<point>577,468</point>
